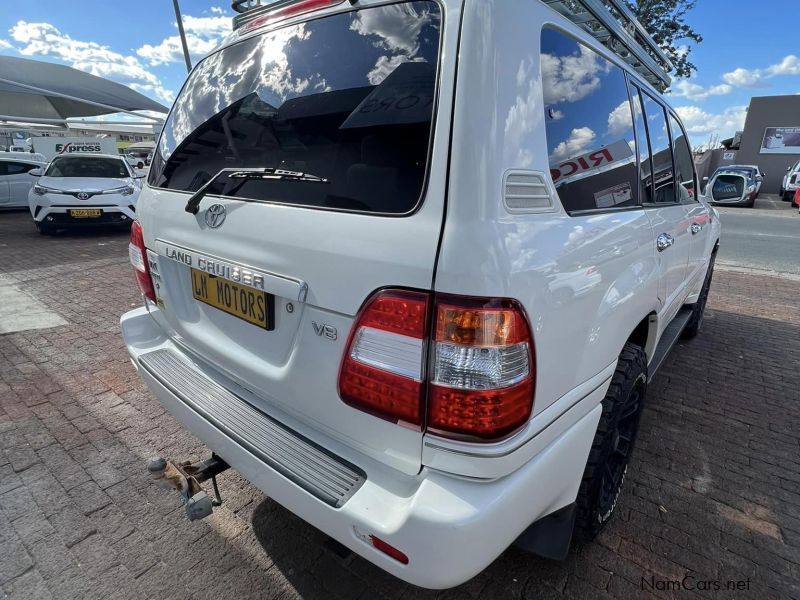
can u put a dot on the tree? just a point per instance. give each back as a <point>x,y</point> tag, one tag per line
<point>665,21</point>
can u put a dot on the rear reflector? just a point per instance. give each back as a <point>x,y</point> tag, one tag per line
<point>388,549</point>
<point>138,255</point>
<point>382,371</point>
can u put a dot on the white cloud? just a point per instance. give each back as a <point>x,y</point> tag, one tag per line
<point>619,120</point>
<point>790,65</point>
<point>698,93</point>
<point>397,27</point>
<point>385,65</point>
<point>44,39</point>
<point>579,139</point>
<point>169,50</point>
<point>217,10</point>
<point>744,77</point>
<point>726,123</point>
<point>571,78</point>
<point>5,44</point>
<point>556,115</point>
<point>203,34</point>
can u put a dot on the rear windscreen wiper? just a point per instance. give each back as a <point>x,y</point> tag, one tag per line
<point>245,174</point>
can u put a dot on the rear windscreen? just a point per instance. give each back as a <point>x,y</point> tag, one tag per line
<point>347,98</point>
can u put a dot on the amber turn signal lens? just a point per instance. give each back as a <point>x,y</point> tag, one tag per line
<point>483,327</point>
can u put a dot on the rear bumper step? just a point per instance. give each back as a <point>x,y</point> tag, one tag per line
<point>319,472</point>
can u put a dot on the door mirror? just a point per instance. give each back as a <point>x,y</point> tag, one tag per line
<point>37,172</point>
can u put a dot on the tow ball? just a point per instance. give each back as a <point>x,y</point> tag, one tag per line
<point>186,477</point>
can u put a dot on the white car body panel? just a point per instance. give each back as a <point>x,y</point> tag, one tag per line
<point>585,282</point>
<point>14,187</point>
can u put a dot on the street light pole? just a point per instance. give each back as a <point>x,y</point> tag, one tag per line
<point>183,36</point>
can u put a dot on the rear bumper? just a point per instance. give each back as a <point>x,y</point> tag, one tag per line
<point>450,528</point>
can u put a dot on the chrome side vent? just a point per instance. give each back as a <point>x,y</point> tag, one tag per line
<point>526,191</point>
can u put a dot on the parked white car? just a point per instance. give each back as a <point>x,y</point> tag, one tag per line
<point>15,181</point>
<point>84,190</point>
<point>135,161</point>
<point>415,291</point>
<point>791,181</point>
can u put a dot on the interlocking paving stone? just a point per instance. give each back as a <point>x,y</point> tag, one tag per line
<point>713,489</point>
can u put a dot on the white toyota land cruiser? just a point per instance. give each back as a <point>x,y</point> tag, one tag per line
<point>409,267</point>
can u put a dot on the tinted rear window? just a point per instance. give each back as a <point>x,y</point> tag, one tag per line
<point>86,166</point>
<point>348,98</point>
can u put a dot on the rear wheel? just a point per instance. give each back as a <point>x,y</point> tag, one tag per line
<point>613,443</point>
<point>44,229</point>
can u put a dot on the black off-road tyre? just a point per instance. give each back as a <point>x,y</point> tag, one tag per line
<point>613,443</point>
<point>699,308</point>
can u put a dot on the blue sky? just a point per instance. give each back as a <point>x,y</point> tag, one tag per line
<point>746,51</point>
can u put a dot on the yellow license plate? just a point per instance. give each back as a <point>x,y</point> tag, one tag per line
<point>242,301</point>
<point>84,213</point>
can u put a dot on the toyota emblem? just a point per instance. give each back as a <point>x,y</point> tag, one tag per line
<point>83,196</point>
<point>215,215</point>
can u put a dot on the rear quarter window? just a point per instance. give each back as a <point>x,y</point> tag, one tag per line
<point>348,98</point>
<point>590,138</point>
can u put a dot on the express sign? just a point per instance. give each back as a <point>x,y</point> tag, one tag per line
<point>69,147</point>
<point>617,152</point>
<point>52,146</point>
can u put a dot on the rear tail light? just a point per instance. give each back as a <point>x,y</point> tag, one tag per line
<point>382,370</point>
<point>284,10</point>
<point>482,380</point>
<point>138,256</point>
<point>481,377</point>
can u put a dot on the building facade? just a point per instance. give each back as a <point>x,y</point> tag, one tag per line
<point>771,139</point>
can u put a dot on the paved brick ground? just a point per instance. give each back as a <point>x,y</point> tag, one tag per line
<point>714,490</point>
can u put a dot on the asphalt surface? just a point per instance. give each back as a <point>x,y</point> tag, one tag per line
<point>765,237</point>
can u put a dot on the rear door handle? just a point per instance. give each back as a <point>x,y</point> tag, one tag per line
<point>696,228</point>
<point>664,241</point>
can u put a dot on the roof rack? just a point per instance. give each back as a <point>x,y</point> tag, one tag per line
<point>615,26</point>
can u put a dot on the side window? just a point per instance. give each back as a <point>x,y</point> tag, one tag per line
<point>663,176</point>
<point>14,168</point>
<point>645,167</point>
<point>3,168</point>
<point>684,163</point>
<point>590,139</point>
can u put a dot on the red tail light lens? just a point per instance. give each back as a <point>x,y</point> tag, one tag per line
<point>481,383</point>
<point>138,255</point>
<point>382,371</point>
<point>282,11</point>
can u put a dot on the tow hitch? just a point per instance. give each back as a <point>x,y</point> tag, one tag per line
<point>186,477</point>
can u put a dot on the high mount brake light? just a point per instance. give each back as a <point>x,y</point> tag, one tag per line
<point>284,10</point>
<point>482,372</point>
<point>138,255</point>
